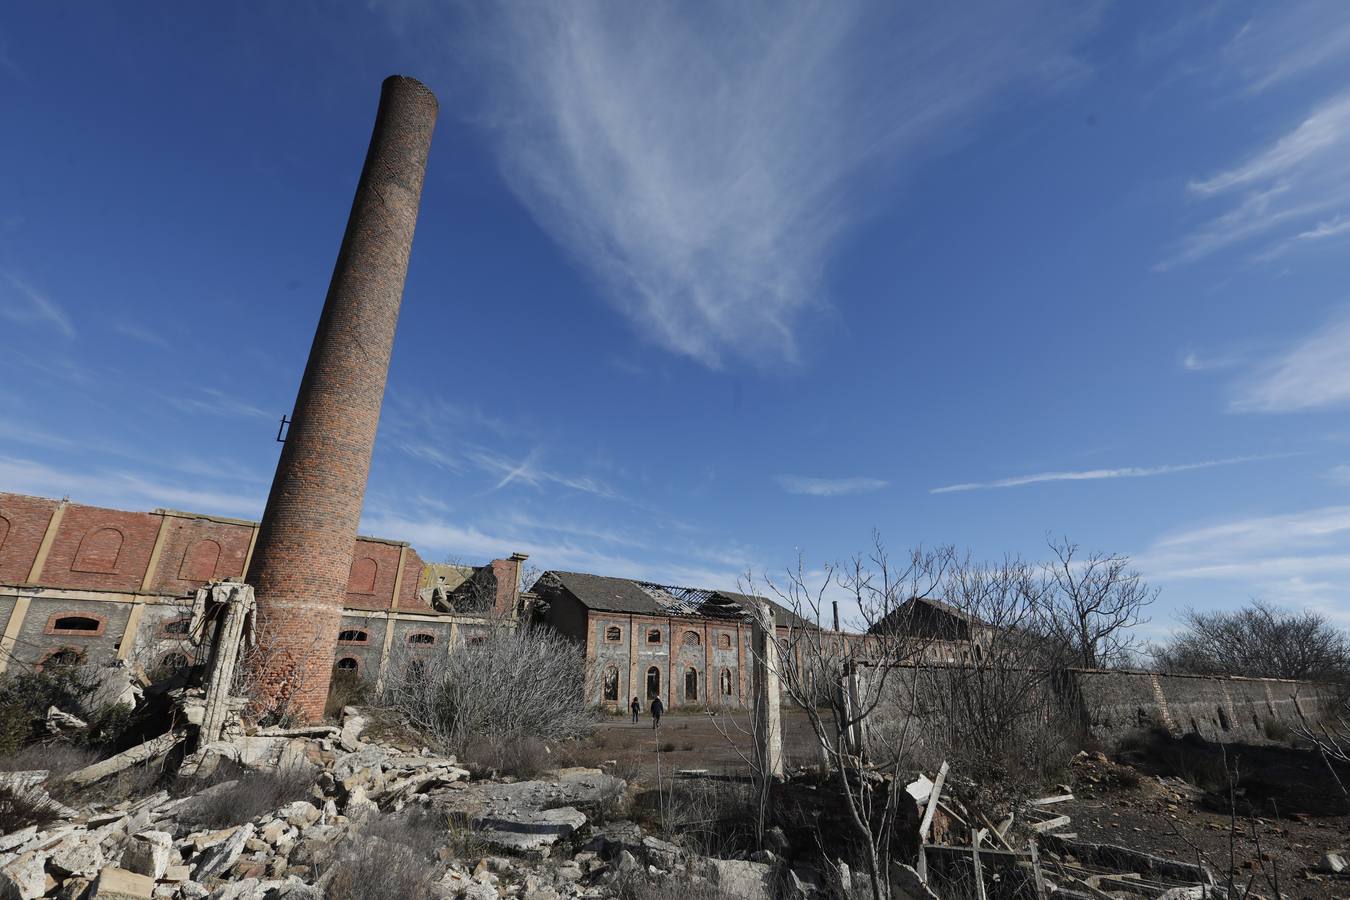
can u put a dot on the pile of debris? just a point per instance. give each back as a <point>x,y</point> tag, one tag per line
<point>1026,852</point>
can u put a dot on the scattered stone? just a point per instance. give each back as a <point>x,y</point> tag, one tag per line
<point>119,884</point>
<point>215,861</point>
<point>149,853</point>
<point>23,877</point>
<point>1333,863</point>
<point>530,830</point>
<point>76,855</point>
<point>659,853</point>
<point>740,878</point>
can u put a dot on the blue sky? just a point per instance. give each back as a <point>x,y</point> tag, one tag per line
<point>698,286</point>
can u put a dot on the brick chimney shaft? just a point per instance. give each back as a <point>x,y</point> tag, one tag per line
<point>303,557</point>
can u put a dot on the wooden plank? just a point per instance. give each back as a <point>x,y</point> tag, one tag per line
<point>933,796</point>
<point>1049,824</point>
<point>1046,801</point>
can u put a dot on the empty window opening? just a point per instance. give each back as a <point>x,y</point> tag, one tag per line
<point>421,639</point>
<point>64,658</point>
<point>611,684</point>
<point>653,683</point>
<point>691,683</point>
<point>726,682</point>
<point>352,636</point>
<point>1223,719</point>
<point>654,636</point>
<point>477,641</point>
<point>613,633</point>
<point>174,662</point>
<point>75,625</point>
<point>347,664</point>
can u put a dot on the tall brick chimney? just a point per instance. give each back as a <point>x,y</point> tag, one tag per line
<point>303,556</point>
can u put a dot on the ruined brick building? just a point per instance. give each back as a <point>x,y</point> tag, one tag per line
<point>94,584</point>
<point>688,646</point>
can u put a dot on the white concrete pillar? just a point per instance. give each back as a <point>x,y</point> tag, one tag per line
<point>768,691</point>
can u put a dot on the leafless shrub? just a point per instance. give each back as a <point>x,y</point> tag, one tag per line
<point>512,684</point>
<point>521,758</point>
<point>347,688</point>
<point>58,759</point>
<point>1330,737</point>
<point>388,858</point>
<point>1258,640</point>
<point>251,794</point>
<point>21,807</point>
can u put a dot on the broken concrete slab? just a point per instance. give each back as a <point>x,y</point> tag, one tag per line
<point>77,855</point>
<point>141,753</point>
<point>529,830</point>
<point>215,861</point>
<point>149,853</point>
<point>24,877</point>
<point>119,884</point>
<point>739,877</point>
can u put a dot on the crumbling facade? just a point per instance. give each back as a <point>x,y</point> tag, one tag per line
<point>301,562</point>
<point>96,585</point>
<point>688,646</point>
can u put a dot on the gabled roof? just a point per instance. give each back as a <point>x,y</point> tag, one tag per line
<point>902,613</point>
<point>646,598</point>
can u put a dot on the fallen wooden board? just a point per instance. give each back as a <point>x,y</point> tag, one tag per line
<point>1046,801</point>
<point>1050,824</point>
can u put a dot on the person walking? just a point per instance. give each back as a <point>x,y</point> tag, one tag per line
<point>657,707</point>
<point>636,707</point>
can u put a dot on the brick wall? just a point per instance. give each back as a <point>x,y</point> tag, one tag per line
<point>197,550</point>
<point>102,549</point>
<point>24,523</point>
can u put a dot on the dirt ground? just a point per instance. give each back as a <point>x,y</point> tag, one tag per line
<point>1167,797</point>
<point>690,740</point>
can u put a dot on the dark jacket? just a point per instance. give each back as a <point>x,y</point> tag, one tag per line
<point>657,707</point>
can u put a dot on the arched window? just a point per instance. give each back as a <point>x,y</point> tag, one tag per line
<point>174,662</point>
<point>691,683</point>
<point>362,580</point>
<point>4,531</point>
<point>352,636</point>
<point>610,685</point>
<point>98,551</point>
<point>653,683</point>
<point>347,664</point>
<point>725,681</point>
<point>613,633</point>
<point>421,639</point>
<point>63,658</point>
<point>75,624</point>
<point>724,641</point>
<point>1223,719</point>
<point>477,640</point>
<point>654,635</point>
<point>199,561</point>
<point>691,639</point>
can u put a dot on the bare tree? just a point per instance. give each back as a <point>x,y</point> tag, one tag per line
<point>812,660</point>
<point>995,713</point>
<point>1091,603</point>
<point>1259,640</point>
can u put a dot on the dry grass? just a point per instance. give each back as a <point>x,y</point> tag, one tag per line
<point>251,793</point>
<point>521,758</point>
<point>389,858</point>
<point>20,808</point>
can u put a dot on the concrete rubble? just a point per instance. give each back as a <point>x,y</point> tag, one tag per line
<point>539,839</point>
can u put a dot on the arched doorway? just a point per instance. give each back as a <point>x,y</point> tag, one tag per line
<point>653,683</point>
<point>691,684</point>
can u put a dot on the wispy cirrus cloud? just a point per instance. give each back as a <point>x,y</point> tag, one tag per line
<point>217,403</point>
<point>829,487</point>
<point>701,164</point>
<point>142,334</point>
<point>124,489</point>
<point>1100,474</point>
<point>25,304</point>
<point>1314,374</point>
<point>1283,193</point>
<point>531,471</point>
<point>1298,559</point>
